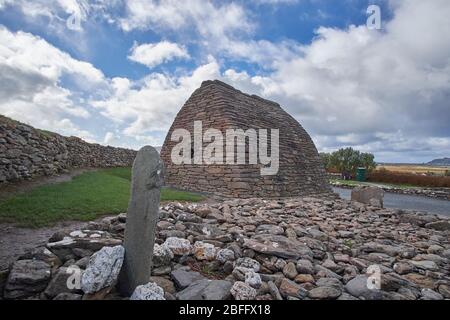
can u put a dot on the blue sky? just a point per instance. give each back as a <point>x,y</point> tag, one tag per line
<point>124,73</point>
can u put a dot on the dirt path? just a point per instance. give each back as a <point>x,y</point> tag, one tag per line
<point>15,241</point>
<point>9,190</point>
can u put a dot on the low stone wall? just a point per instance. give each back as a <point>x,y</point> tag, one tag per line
<point>26,152</point>
<point>437,193</point>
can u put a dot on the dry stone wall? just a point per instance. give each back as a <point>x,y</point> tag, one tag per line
<point>26,152</point>
<point>222,107</point>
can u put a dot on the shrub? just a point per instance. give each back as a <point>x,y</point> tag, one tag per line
<point>410,179</point>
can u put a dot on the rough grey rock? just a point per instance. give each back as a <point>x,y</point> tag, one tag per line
<point>305,266</point>
<point>166,284</point>
<point>443,225</point>
<point>149,291</point>
<point>357,287</point>
<point>103,269</point>
<point>26,152</point>
<point>58,284</point>
<point>68,296</point>
<point>253,279</point>
<point>178,246</point>
<point>330,282</point>
<point>142,217</point>
<point>162,255</point>
<point>417,219</point>
<point>324,293</point>
<point>428,294</point>
<point>204,251</point>
<point>43,254</point>
<point>425,265</point>
<point>206,290</point>
<point>248,263</point>
<point>224,255</point>
<point>277,245</point>
<point>269,228</point>
<point>243,291</point>
<point>92,240</point>
<point>26,278</point>
<point>290,271</point>
<point>289,288</point>
<point>183,278</point>
<point>367,194</point>
<point>274,291</point>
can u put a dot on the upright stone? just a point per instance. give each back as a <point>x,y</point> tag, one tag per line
<point>142,216</point>
<point>368,195</point>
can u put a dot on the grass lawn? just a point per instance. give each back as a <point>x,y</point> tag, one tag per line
<point>86,197</point>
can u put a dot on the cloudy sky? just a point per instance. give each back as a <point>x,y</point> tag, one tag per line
<point>118,71</point>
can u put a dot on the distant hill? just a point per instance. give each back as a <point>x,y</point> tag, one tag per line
<point>440,162</point>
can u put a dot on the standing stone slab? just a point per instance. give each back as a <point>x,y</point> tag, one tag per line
<point>142,216</point>
<point>368,195</point>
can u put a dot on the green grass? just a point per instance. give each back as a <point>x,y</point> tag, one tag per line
<point>84,198</point>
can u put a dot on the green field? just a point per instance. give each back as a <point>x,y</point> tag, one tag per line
<point>84,198</point>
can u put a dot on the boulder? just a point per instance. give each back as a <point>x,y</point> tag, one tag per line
<point>27,277</point>
<point>166,284</point>
<point>305,266</point>
<point>324,293</point>
<point>103,269</point>
<point>178,246</point>
<point>59,284</point>
<point>289,288</point>
<point>243,291</point>
<point>270,229</point>
<point>92,240</point>
<point>184,278</point>
<point>253,279</point>
<point>247,263</point>
<point>43,254</point>
<point>357,287</point>
<point>206,290</point>
<point>162,255</point>
<point>149,291</point>
<point>441,225</point>
<point>368,195</point>
<point>204,251</point>
<point>224,255</point>
<point>290,271</point>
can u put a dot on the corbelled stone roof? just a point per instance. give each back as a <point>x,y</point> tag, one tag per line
<point>220,106</point>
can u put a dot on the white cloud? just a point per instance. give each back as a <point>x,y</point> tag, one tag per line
<point>363,88</point>
<point>109,138</point>
<point>152,54</point>
<point>205,17</point>
<point>275,2</point>
<point>31,88</point>
<point>151,104</point>
<point>379,91</point>
<point>221,29</point>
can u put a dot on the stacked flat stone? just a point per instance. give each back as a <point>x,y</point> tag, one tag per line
<point>26,152</point>
<point>222,107</point>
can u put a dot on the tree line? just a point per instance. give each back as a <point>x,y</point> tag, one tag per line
<point>347,160</point>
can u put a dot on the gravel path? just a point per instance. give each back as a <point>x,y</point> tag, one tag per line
<point>16,241</point>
